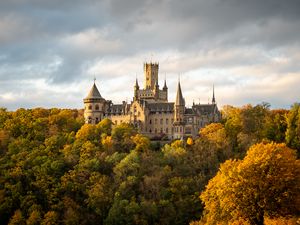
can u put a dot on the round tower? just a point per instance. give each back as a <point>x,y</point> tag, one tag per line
<point>94,106</point>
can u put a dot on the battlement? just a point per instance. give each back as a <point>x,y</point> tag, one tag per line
<point>151,75</point>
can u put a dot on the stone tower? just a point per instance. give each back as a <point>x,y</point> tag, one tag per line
<point>151,75</point>
<point>94,106</point>
<point>179,110</point>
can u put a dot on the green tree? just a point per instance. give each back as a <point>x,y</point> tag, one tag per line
<point>293,127</point>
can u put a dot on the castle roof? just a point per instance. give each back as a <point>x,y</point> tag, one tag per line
<point>94,93</point>
<point>179,97</point>
<point>204,109</point>
<point>161,107</point>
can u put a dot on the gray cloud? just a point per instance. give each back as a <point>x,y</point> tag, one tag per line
<point>231,43</point>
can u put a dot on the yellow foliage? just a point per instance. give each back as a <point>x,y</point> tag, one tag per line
<point>34,218</point>
<point>177,144</point>
<point>283,221</point>
<point>266,182</point>
<point>107,142</point>
<point>142,143</point>
<point>50,218</point>
<point>17,218</point>
<point>189,141</point>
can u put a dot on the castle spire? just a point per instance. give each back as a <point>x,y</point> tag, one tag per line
<point>213,98</point>
<point>94,92</point>
<point>179,97</point>
<point>165,84</point>
<point>136,83</point>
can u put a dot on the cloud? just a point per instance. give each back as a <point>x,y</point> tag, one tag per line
<point>248,49</point>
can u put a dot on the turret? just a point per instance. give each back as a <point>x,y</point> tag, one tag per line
<point>179,108</point>
<point>165,89</point>
<point>136,90</point>
<point>213,98</point>
<point>94,106</point>
<point>156,90</point>
<point>165,85</point>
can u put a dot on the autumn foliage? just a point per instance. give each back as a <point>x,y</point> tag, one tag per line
<point>54,169</point>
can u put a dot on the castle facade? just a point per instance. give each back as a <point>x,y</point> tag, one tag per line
<point>150,111</point>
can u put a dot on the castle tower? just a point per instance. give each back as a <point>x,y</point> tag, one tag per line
<point>179,108</point>
<point>94,106</point>
<point>151,75</point>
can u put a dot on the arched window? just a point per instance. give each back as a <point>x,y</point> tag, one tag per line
<point>97,107</point>
<point>90,107</point>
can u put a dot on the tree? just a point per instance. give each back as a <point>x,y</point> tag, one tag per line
<point>17,218</point>
<point>276,125</point>
<point>293,128</point>
<point>50,218</point>
<point>266,183</point>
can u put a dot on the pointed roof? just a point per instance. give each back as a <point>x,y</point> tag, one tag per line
<point>136,83</point>
<point>165,84</point>
<point>213,98</point>
<point>156,83</point>
<point>179,98</point>
<point>94,93</point>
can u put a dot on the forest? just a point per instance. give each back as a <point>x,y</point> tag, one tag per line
<point>54,169</point>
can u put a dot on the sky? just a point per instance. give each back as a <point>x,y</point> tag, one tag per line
<point>50,51</point>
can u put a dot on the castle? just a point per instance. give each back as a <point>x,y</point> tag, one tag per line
<point>150,111</point>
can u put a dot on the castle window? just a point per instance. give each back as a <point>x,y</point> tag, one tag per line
<point>167,121</point>
<point>161,130</point>
<point>161,121</point>
<point>97,107</point>
<point>150,122</point>
<point>150,131</point>
<point>90,107</point>
<point>97,120</point>
<point>89,120</point>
